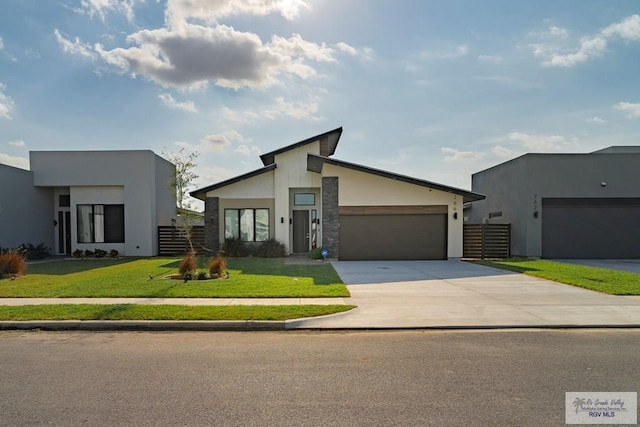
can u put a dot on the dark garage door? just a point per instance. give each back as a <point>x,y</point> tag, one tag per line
<point>591,228</point>
<point>393,237</point>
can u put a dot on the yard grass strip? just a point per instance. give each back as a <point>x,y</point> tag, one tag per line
<point>165,312</point>
<point>597,279</point>
<point>144,277</point>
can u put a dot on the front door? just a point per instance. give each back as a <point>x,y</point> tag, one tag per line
<point>301,232</point>
<point>64,233</point>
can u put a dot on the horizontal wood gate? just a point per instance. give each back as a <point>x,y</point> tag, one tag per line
<point>487,241</point>
<point>171,241</point>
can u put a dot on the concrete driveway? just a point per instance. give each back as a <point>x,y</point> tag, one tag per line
<point>453,293</point>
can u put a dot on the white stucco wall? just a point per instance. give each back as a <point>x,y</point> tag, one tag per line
<point>357,188</point>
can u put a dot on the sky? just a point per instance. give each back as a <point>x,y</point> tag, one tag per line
<point>437,90</point>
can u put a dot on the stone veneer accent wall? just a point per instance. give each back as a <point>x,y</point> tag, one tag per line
<point>212,224</point>
<point>330,216</point>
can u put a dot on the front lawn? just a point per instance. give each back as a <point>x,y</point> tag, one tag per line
<point>130,277</point>
<point>597,279</point>
<point>165,312</point>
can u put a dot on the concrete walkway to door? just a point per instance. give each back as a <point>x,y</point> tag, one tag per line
<point>453,293</point>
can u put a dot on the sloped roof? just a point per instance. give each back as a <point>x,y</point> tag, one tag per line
<point>328,143</point>
<point>202,192</point>
<point>315,163</point>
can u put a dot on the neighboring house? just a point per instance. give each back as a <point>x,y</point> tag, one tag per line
<point>565,205</point>
<point>305,199</point>
<point>86,200</point>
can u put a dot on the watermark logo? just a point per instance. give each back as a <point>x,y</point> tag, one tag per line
<point>601,407</point>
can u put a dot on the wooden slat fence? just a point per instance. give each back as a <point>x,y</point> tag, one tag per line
<point>172,242</point>
<point>487,241</point>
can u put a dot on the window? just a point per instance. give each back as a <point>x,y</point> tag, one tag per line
<point>304,199</point>
<point>248,225</point>
<point>64,200</point>
<point>100,223</point>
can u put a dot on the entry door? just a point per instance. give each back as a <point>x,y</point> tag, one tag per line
<point>64,233</point>
<point>301,232</point>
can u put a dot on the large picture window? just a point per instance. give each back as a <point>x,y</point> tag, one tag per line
<point>248,225</point>
<point>100,223</point>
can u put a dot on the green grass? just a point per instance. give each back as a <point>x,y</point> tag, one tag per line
<point>165,312</point>
<point>597,279</point>
<point>127,277</point>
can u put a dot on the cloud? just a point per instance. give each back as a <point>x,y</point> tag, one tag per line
<point>18,162</point>
<point>195,55</point>
<point>504,153</point>
<point>458,52</point>
<point>75,46</point>
<point>539,143</point>
<point>554,46</point>
<point>632,110</point>
<point>1,44</point>
<point>299,110</point>
<point>454,155</point>
<point>218,142</point>
<point>100,8</point>
<point>179,12</point>
<point>17,143</point>
<point>597,120</point>
<point>170,102</point>
<point>494,59</point>
<point>248,151</point>
<point>343,47</point>
<point>6,103</point>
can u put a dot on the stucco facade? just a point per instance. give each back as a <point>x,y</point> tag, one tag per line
<point>116,189</point>
<point>303,188</point>
<point>521,190</point>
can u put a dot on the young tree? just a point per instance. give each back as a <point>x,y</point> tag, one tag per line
<point>183,178</point>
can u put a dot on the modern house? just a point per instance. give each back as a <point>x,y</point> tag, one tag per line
<point>565,205</point>
<point>86,200</point>
<point>305,198</point>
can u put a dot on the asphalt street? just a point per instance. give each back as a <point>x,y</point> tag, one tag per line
<point>358,378</point>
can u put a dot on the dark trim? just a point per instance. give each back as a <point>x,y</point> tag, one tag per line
<point>201,193</point>
<point>593,201</point>
<point>329,148</point>
<point>315,162</point>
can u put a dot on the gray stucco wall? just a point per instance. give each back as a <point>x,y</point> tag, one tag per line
<point>25,211</point>
<point>517,188</point>
<point>141,173</point>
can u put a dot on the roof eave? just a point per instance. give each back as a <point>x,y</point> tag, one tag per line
<point>269,158</point>
<point>315,163</point>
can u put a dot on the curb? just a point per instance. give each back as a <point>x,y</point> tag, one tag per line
<point>144,325</point>
<point>255,326</point>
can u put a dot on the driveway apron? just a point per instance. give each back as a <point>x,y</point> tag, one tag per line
<point>454,293</point>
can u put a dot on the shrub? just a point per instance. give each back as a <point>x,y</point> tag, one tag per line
<point>217,266</point>
<point>201,274</point>
<point>187,264</point>
<point>100,253</point>
<point>235,247</point>
<point>88,253</point>
<point>269,249</point>
<point>315,253</point>
<point>78,253</point>
<point>35,252</point>
<point>114,254</point>
<point>12,262</point>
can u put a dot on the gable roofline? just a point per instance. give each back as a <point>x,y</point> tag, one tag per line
<point>201,193</point>
<point>315,163</point>
<point>332,137</point>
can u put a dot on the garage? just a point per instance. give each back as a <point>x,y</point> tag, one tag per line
<point>393,233</point>
<point>591,228</point>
